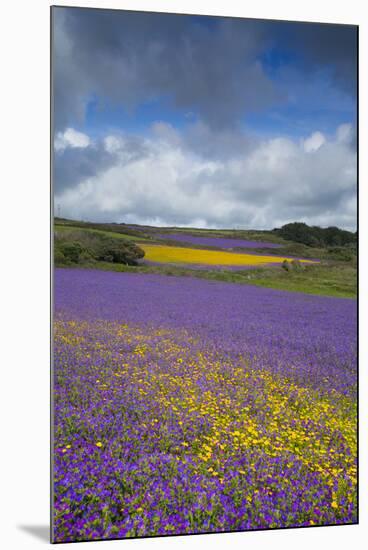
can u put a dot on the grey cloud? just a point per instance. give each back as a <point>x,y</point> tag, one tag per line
<point>320,45</point>
<point>209,65</point>
<point>129,58</point>
<point>335,46</point>
<point>218,145</point>
<point>74,165</point>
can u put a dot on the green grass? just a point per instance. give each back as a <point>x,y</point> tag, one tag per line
<point>324,280</point>
<point>62,228</point>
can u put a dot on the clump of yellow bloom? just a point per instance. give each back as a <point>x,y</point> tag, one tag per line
<point>176,254</point>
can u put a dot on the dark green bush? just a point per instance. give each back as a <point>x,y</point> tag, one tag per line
<point>294,265</point>
<point>297,265</point>
<point>316,236</point>
<point>59,257</point>
<point>80,247</point>
<point>344,254</point>
<point>71,250</point>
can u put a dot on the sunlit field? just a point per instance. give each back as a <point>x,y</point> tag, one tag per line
<point>169,420</point>
<point>173,254</point>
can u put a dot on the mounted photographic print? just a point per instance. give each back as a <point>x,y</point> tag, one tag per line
<point>204,186</point>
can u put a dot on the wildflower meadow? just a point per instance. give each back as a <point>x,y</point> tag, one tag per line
<point>188,406</point>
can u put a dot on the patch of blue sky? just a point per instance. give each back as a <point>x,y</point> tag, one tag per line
<point>102,117</point>
<point>273,59</point>
<point>295,123</point>
<point>309,103</point>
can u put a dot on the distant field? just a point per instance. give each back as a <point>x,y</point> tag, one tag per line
<point>217,242</point>
<point>99,231</point>
<point>171,254</point>
<point>235,233</point>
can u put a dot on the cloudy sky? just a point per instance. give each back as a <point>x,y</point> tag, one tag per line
<point>203,121</point>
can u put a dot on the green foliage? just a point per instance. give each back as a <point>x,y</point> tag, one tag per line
<point>317,236</point>
<point>294,265</point>
<point>82,247</point>
<point>343,254</point>
<point>297,265</point>
<point>70,250</point>
<point>59,257</point>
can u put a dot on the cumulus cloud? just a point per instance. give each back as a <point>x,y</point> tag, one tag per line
<point>214,72</point>
<point>161,179</point>
<point>70,138</point>
<point>314,142</point>
<point>80,158</point>
<point>345,133</point>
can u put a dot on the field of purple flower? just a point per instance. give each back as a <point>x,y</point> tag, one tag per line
<point>216,242</point>
<point>184,406</point>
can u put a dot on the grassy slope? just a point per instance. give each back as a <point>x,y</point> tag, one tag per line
<point>340,281</point>
<point>99,231</point>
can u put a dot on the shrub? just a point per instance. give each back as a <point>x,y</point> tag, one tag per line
<point>297,265</point>
<point>71,251</point>
<point>59,257</point>
<point>85,247</point>
<point>343,254</point>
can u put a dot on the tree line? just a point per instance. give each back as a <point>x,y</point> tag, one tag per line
<point>317,236</point>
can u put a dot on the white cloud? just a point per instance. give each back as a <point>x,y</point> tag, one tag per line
<point>162,179</point>
<point>344,133</point>
<point>314,142</point>
<point>71,138</point>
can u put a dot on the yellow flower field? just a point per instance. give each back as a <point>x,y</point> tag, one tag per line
<point>176,254</point>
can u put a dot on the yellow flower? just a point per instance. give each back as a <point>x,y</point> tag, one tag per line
<point>98,444</point>
<point>174,254</point>
<point>334,504</point>
<point>185,444</point>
